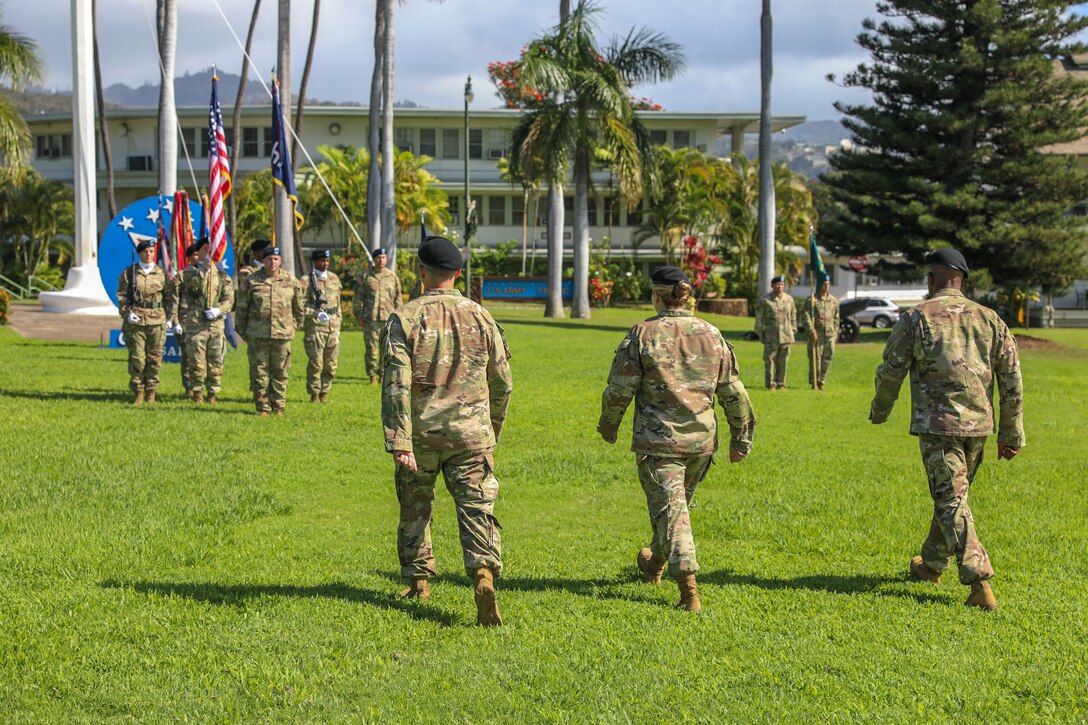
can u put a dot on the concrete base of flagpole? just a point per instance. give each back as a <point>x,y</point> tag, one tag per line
<point>82,295</point>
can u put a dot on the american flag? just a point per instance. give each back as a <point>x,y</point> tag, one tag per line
<point>218,175</point>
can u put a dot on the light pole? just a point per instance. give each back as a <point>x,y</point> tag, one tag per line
<point>467,210</point>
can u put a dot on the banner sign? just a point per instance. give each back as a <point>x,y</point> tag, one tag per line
<point>522,288</point>
<point>171,350</point>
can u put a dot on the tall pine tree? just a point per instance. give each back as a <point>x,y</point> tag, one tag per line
<point>950,151</point>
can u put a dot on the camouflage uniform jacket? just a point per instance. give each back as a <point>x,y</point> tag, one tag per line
<point>446,375</point>
<point>150,289</point>
<point>200,288</point>
<point>269,307</point>
<point>776,319</point>
<point>245,271</point>
<point>673,365</point>
<point>823,317</point>
<point>377,294</point>
<point>953,349</point>
<point>328,289</point>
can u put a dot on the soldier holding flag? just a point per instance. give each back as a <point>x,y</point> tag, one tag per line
<point>205,296</point>
<point>321,326</point>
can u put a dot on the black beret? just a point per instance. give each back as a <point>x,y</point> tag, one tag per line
<point>778,278</point>
<point>271,252</point>
<point>202,242</point>
<point>258,245</point>
<point>948,257</point>
<point>320,254</point>
<point>440,253</point>
<point>145,244</point>
<point>191,249</point>
<point>376,252</point>
<point>668,275</point>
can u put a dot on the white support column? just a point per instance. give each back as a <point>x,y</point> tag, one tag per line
<point>83,293</point>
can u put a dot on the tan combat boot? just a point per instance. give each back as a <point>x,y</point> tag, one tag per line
<point>689,593</point>
<point>418,588</point>
<point>982,596</point>
<point>212,399</point>
<point>487,609</point>
<point>373,379</point>
<point>313,397</point>
<point>198,397</point>
<point>139,399</point>
<point>262,413</point>
<point>323,398</point>
<point>149,397</point>
<point>278,412</point>
<point>921,571</point>
<point>650,566</point>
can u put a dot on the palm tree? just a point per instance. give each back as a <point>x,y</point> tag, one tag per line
<point>590,108</point>
<point>388,201</point>
<point>19,66</point>
<point>766,177</point>
<point>374,189</point>
<point>529,186</point>
<point>103,122</point>
<point>345,169</point>
<point>168,119</point>
<point>236,124</point>
<point>417,193</point>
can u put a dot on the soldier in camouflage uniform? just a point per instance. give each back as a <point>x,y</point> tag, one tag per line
<point>673,365</point>
<point>141,289</point>
<point>776,320</point>
<point>446,387</point>
<point>321,329</point>
<point>955,350</point>
<point>255,264</point>
<point>268,313</point>
<point>206,295</point>
<point>821,319</point>
<point>173,297</point>
<point>377,294</point>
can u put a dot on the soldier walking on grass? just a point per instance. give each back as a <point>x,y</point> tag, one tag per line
<point>205,296</point>
<point>776,321</point>
<point>173,298</point>
<point>820,316</point>
<point>446,385</point>
<point>268,313</point>
<point>141,289</point>
<point>673,365</point>
<point>321,328</point>
<point>377,294</point>
<point>955,350</point>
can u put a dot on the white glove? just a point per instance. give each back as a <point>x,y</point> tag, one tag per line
<point>322,316</point>
<point>178,330</point>
<point>213,313</point>
<point>133,318</point>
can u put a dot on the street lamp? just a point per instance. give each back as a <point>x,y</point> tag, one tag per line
<point>466,209</point>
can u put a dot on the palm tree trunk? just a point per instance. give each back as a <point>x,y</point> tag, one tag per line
<point>389,207</point>
<point>168,119</point>
<point>579,306</point>
<point>373,181</point>
<point>536,214</point>
<point>103,123</point>
<point>554,305</point>
<point>305,82</point>
<point>766,181</point>
<point>236,124</point>
<point>524,227</point>
<point>285,217</point>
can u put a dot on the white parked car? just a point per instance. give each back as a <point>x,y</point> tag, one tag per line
<point>880,312</point>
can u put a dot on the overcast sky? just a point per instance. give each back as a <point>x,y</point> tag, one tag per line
<point>438,44</point>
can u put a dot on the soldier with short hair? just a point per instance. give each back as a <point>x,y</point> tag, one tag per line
<point>141,289</point>
<point>820,316</point>
<point>256,253</point>
<point>321,326</point>
<point>377,294</point>
<point>205,296</point>
<point>268,312</point>
<point>673,365</point>
<point>955,351</point>
<point>446,385</point>
<point>776,321</point>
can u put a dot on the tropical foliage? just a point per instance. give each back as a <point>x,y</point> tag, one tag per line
<point>37,218</point>
<point>19,66</point>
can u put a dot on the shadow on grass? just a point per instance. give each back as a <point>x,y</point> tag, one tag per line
<point>834,583</point>
<point>238,594</point>
<point>567,324</point>
<point>93,394</point>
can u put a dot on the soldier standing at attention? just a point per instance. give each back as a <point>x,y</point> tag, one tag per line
<point>776,320</point>
<point>673,365</point>
<point>206,296</point>
<point>822,322</point>
<point>173,299</point>
<point>377,294</point>
<point>256,252</point>
<point>321,329</point>
<point>446,385</point>
<point>954,349</point>
<point>140,292</point>
<point>268,312</point>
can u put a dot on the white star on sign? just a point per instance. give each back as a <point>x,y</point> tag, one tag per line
<point>125,223</point>
<point>169,204</point>
<point>153,215</point>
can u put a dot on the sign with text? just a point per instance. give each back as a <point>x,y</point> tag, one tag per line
<point>858,264</point>
<point>171,350</point>
<point>522,288</point>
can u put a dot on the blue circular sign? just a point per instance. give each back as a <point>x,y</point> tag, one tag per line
<point>136,222</point>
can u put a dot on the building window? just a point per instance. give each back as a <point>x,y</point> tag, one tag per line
<point>496,144</point>
<point>54,145</point>
<point>269,141</point>
<point>428,145</point>
<point>451,143</point>
<point>681,139</point>
<point>454,207</point>
<point>475,143</point>
<point>634,218</point>
<point>609,211</point>
<point>658,138</point>
<point>517,210</point>
<point>402,139</point>
<point>496,211</point>
<point>591,211</point>
<point>250,142</point>
<point>188,139</point>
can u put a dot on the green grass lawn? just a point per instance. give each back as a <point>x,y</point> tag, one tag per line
<point>171,563</point>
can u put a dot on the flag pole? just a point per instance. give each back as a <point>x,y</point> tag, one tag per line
<point>812,313</point>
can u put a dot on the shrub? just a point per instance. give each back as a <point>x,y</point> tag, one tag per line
<point>5,301</point>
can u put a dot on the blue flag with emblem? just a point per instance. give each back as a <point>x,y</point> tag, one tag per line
<point>281,155</point>
<point>815,263</point>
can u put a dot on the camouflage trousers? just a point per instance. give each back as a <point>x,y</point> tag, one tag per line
<point>184,349</point>
<point>373,332</point>
<point>207,350</point>
<point>775,357</point>
<point>824,351</point>
<point>950,465</point>
<point>144,343</point>
<point>669,484</point>
<point>322,354</point>
<point>470,479</point>
<point>270,361</point>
